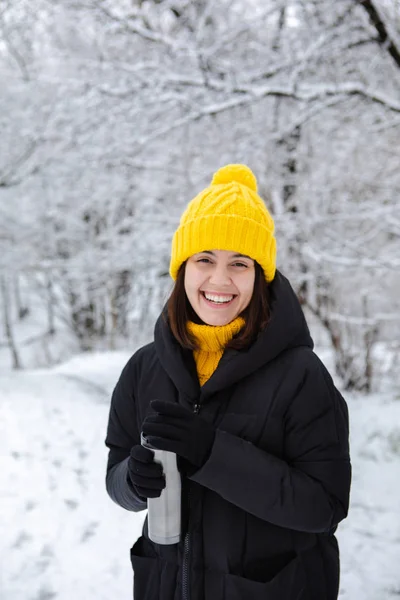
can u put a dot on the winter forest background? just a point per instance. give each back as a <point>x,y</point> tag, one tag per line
<point>113,115</point>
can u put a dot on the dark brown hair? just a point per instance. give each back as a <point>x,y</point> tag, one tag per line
<point>256,314</point>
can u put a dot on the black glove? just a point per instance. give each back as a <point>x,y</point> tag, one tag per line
<point>178,430</point>
<point>146,476</point>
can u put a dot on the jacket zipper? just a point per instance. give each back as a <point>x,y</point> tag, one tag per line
<point>186,543</point>
<point>185,572</point>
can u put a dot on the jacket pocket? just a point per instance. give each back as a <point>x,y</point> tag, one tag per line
<point>288,584</point>
<point>153,577</point>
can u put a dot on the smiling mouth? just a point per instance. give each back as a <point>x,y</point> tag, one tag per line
<point>218,303</point>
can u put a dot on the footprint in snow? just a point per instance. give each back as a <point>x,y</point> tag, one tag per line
<point>80,474</point>
<point>82,454</point>
<point>22,539</point>
<point>45,558</point>
<point>89,531</point>
<point>71,504</point>
<point>45,593</point>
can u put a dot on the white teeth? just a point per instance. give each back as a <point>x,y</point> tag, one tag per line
<point>219,299</point>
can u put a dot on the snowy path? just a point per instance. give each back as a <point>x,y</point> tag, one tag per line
<point>370,537</point>
<point>61,537</point>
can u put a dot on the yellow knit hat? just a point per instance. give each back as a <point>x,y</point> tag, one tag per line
<point>228,215</point>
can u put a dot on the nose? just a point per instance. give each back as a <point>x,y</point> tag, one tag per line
<point>219,276</point>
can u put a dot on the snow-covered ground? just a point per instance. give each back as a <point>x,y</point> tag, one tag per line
<point>61,537</point>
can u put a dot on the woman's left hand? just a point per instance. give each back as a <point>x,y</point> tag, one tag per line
<point>177,429</point>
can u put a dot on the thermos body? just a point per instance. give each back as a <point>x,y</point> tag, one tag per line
<point>164,513</point>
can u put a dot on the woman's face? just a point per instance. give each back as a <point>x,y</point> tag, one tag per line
<point>226,278</point>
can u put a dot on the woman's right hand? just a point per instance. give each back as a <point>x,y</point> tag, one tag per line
<point>146,476</point>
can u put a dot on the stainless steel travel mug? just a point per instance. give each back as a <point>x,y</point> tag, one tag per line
<point>164,513</point>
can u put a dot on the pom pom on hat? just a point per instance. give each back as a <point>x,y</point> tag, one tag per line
<point>227,215</point>
<point>235,173</point>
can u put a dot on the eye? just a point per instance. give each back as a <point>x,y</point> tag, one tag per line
<point>203,259</point>
<point>241,264</point>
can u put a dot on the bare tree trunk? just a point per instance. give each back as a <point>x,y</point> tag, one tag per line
<point>112,315</point>
<point>370,336</point>
<point>50,306</point>
<point>22,310</point>
<point>8,325</point>
<point>352,343</point>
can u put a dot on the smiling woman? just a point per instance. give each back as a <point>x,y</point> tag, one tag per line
<point>219,288</point>
<point>181,312</point>
<point>231,385</point>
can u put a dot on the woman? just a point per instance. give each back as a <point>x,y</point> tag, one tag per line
<point>232,386</point>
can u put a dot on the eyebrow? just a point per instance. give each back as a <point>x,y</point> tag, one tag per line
<point>233,256</point>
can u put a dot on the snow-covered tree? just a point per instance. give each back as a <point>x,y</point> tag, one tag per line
<point>109,129</point>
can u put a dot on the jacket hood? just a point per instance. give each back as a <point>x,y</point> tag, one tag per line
<point>287,329</point>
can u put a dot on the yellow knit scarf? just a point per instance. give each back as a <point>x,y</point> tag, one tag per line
<point>211,341</point>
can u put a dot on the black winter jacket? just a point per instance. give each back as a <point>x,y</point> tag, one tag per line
<point>258,519</point>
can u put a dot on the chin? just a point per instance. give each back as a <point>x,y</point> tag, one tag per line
<point>216,320</point>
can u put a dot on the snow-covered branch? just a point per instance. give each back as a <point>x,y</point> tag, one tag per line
<point>385,39</point>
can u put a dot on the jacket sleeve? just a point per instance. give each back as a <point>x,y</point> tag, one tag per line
<point>308,490</point>
<point>122,434</point>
